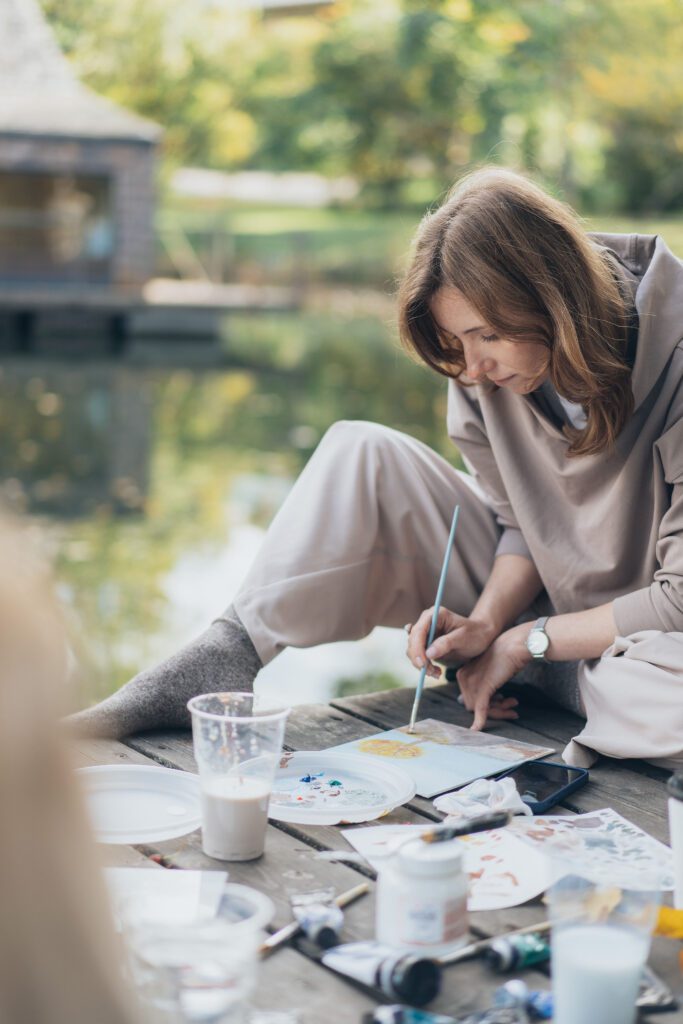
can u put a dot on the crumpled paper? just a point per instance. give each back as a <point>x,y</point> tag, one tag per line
<point>480,796</point>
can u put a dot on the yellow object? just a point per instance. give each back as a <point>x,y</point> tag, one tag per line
<point>389,748</point>
<point>669,923</point>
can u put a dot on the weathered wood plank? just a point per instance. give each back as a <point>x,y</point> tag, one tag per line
<point>288,980</point>
<point>290,863</point>
<point>175,749</point>
<point>87,753</point>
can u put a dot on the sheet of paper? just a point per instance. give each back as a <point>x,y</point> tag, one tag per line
<point>503,871</point>
<point>439,756</point>
<point>177,896</point>
<point>602,840</point>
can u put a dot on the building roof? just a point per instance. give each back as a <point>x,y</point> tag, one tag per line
<point>41,95</point>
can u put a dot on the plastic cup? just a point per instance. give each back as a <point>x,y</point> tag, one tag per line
<point>237,747</point>
<point>601,932</point>
<point>200,970</point>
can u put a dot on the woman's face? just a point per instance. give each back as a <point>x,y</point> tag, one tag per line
<point>518,366</point>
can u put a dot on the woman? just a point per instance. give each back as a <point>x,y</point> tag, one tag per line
<point>566,401</point>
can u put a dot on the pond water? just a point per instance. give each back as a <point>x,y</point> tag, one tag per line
<point>152,486</point>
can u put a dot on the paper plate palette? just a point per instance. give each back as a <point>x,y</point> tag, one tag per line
<point>319,788</point>
<point>136,803</point>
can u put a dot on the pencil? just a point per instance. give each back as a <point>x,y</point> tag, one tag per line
<point>435,616</point>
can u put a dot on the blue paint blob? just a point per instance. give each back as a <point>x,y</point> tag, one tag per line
<point>311,777</point>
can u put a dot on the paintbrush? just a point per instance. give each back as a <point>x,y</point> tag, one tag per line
<point>435,616</point>
<point>465,952</point>
<point>289,930</point>
<point>482,823</point>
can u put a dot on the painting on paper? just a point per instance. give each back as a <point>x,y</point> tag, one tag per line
<point>603,842</point>
<point>503,872</point>
<point>439,756</point>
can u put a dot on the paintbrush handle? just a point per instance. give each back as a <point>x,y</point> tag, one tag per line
<point>484,822</point>
<point>291,929</point>
<point>344,898</point>
<point>435,614</point>
<point>416,701</point>
<point>465,952</point>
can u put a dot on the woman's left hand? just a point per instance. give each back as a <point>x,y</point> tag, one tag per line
<point>481,678</point>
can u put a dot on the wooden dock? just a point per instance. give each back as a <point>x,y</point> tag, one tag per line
<point>100,320</point>
<point>289,979</point>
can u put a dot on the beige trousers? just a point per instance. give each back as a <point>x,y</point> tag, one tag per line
<point>359,543</point>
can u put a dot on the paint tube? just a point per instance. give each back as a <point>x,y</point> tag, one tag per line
<point>397,975</point>
<point>405,1015</point>
<point>318,915</point>
<point>516,952</point>
<point>515,994</point>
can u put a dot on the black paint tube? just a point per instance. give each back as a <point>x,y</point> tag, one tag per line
<point>397,975</point>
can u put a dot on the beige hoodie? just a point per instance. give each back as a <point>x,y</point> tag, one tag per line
<point>605,527</point>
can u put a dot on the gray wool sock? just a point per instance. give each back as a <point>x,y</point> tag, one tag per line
<point>222,658</point>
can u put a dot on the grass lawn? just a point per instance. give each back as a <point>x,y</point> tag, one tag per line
<point>332,246</point>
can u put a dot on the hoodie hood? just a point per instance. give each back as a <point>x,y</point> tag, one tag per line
<point>655,277</point>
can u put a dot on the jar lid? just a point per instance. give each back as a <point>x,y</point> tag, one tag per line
<point>440,858</point>
<point>675,786</point>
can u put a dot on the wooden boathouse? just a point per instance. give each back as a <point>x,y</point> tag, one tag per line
<point>77,206</point>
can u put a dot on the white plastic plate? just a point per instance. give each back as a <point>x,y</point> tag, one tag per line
<point>321,788</point>
<point>136,803</point>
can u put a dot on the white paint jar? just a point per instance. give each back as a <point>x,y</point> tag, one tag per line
<point>675,788</point>
<point>422,898</point>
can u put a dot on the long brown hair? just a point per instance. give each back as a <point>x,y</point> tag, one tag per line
<point>522,259</point>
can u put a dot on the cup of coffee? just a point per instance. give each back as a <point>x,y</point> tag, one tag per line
<point>237,746</point>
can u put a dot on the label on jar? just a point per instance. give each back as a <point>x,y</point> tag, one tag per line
<point>425,922</point>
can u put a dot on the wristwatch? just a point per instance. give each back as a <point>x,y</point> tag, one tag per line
<point>538,641</point>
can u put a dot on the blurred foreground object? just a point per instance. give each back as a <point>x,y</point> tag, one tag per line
<point>59,961</point>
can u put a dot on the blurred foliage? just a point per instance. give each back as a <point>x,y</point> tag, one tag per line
<point>586,93</point>
<point>365,249</point>
<point>369,682</point>
<point>221,445</point>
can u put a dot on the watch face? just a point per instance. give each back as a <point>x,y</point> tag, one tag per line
<point>538,642</point>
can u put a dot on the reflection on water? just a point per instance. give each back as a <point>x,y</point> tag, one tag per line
<point>153,487</point>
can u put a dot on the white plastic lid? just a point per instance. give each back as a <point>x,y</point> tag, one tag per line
<point>420,858</point>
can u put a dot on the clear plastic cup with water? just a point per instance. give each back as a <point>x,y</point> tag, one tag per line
<point>237,746</point>
<point>202,970</point>
<point>601,931</point>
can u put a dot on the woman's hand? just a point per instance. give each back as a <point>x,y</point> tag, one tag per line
<point>481,678</point>
<point>458,639</point>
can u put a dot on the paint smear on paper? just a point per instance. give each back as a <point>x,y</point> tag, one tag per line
<point>503,871</point>
<point>389,748</point>
<point>444,756</point>
<point>603,841</point>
